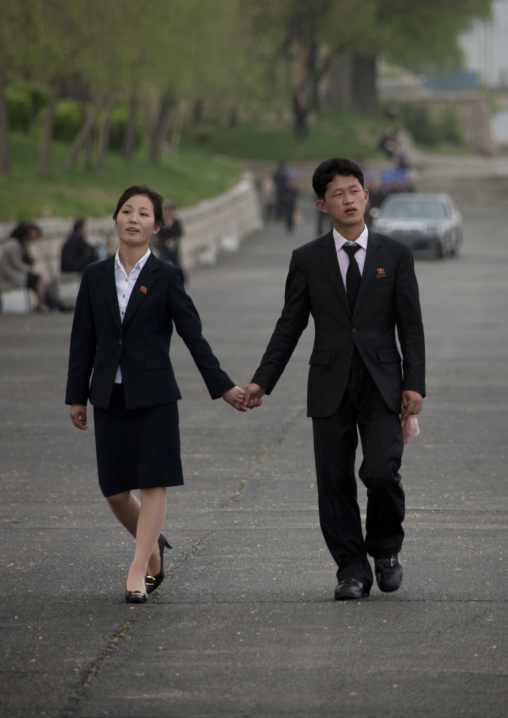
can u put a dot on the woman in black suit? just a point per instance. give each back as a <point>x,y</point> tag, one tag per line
<point>125,312</point>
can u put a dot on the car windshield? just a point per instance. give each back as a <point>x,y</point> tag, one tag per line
<point>413,209</point>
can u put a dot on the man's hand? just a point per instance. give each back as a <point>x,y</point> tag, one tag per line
<point>236,398</point>
<point>78,416</point>
<point>411,402</point>
<point>253,395</point>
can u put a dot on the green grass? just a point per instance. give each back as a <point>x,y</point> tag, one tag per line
<point>191,177</point>
<point>345,134</point>
<point>208,163</point>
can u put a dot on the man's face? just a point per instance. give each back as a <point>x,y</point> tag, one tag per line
<point>345,201</point>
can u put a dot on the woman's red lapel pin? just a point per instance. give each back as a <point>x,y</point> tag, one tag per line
<point>144,289</point>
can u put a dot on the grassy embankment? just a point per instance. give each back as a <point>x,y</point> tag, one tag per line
<point>202,169</point>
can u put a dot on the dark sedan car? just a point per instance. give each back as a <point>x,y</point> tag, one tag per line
<point>422,221</point>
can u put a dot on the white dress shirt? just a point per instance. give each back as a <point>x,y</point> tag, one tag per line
<point>344,257</point>
<point>124,286</point>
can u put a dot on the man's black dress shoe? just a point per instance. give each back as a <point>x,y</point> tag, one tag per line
<point>136,597</point>
<point>388,573</point>
<point>153,582</point>
<point>350,588</point>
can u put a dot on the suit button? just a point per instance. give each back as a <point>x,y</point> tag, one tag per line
<point>354,330</point>
<point>120,341</point>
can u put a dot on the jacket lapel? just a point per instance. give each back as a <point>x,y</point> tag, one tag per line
<point>331,261</point>
<point>371,260</point>
<point>108,286</point>
<point>145,281</point>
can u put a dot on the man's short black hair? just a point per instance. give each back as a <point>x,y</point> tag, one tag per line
<point>329,169</point>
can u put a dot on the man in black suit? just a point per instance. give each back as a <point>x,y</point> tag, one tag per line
<point>361,289</point>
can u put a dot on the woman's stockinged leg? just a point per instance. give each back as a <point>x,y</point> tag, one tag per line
<point>149,526</point>
<point>127,509</point>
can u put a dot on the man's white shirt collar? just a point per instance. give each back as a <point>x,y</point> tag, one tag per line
<point>361,241</point>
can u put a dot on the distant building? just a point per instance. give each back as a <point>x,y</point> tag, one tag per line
<point>486,49</point>
<point>452,82</point>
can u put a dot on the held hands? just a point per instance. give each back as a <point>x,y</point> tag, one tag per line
<point>243,399</point>
<point>235,397</point>
<point>78,416</point>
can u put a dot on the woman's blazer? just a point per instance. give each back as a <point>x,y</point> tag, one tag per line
<point>100,341</point>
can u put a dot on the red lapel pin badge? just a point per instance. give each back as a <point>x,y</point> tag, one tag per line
<point>380,272</point>
<point>143,289</point>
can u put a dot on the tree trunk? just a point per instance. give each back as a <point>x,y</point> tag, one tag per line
<point>353,84</point>
<point>198,112</point>
<point>47,133</point>
<point>300,97</point>
<point>160,126</point>
<point>89,149</point>
<point>318,69</point>
<point>364,75</point>
<point>5,148</point>
<point>176,135</point>
<point>340,95</point>
<point>104,135</point>
<point>84,134</point>
<point>130,130</point>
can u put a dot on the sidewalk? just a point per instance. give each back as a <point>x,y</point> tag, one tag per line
<point>246,626</point>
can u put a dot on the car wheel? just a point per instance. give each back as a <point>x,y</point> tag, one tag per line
<point>441,248</point>
<point>454,250</point>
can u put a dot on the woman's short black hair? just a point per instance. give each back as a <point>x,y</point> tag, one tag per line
<point>329,169</point>
<point>154,198</point>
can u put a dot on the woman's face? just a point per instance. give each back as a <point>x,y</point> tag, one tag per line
<point>33,234</point>
<point>135,222</point>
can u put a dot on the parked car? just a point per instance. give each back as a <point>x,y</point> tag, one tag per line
<point>422,221</point>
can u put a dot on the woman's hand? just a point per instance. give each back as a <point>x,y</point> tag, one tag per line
<point>78,416</point>
<point>235,397</point>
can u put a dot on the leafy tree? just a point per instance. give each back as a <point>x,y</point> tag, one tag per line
<point>15,34</point>
<point>348,36</point>
<point>424,36</point>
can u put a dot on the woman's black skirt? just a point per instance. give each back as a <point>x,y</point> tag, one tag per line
<point>137,448</point>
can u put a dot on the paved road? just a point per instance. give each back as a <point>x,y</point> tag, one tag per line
<point>247,625</point>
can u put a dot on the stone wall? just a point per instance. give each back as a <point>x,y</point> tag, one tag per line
<point>215,225</point>
<point>473,115</point>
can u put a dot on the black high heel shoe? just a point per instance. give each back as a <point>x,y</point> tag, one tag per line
<point>136,597</point>
<point>153,582</point>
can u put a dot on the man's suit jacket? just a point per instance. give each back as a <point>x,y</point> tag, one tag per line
<point>387,303</point>
<point>140,344</point>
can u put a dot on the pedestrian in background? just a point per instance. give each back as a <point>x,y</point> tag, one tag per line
<point>76,252</point>
<point>279,178</point>
<point>269,198</point>
<point>289,197</point>
<point>16,265</point>
<point>167,240</point>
